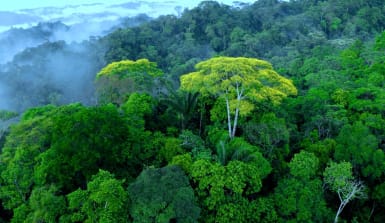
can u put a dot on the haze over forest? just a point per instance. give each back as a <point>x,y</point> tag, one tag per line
<point>72,24</point>
<point>154,111</point>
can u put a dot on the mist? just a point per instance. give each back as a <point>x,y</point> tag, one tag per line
<point>4,103</point>
<point>55,60</point>
<point>53,63</point>
<point>51,73</point>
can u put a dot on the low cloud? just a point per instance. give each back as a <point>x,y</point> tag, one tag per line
<point>11,18</point>
<point>56,61</point>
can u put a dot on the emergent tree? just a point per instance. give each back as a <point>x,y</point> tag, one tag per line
<point>240,82</point>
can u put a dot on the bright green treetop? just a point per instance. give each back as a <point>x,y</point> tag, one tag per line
<point>240,82</point>
<point>118,79</point>
<point>126,68</point>
<point>339,177</point>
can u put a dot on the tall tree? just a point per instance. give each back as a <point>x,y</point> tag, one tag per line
<point>118,79</point>
<point>339,177</point>
<point>240,82</point>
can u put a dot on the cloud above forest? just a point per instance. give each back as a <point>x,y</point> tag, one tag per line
<point>85,13</point>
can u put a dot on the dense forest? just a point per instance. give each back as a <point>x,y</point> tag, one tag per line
<point>264,112</point>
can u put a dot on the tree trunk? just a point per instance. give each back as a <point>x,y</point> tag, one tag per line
<point>235,122</point>
<point>239,98</point>
<point>228,117</point>
<point>340,208</point>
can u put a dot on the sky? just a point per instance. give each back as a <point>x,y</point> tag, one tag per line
<point>27,13</point>
<point>14,5</point>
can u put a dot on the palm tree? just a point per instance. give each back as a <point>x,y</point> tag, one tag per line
<point>183,104</point>
<point>235,149</point>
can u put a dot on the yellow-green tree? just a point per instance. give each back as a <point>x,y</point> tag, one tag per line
<point>119,79</point>
<point>240,82</point>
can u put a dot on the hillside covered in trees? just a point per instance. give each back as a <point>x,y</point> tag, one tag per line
<point>268,112</point>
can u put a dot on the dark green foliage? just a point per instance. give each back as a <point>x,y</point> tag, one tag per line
<point>63,146</point>
<point>163,195</point>
<point>80,136</point>
<point>181,107</point>
<point>301,193</point>
<point>358,146</point>
<point>235,149</point>
<point>104,200</point>
<point>44,205</point>
<point>271,135</point>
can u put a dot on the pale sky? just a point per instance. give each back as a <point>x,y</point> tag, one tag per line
<point>27,4</point>
<point>11,5</point>
<point>78,14</point>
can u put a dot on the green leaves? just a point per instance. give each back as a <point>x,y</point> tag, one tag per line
<point>6,115</point>
<point>355,144</point>
<point>222,75</point>
<point>240,82</point>
<point>80,137</point>
<point>221,188</point>
<point>127,68</point>
<point>46,205</point>
<point>296,196</point>
<point>338,175</point>
<point>55,150</point>
<point>119,79</point>
<point>236,149</point>
<point>163,195</point>
<point>105,200</point>
<point>304,165</point>
<point>136,108</point>
<point>380,42</point>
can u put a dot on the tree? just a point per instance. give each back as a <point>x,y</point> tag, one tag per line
<point>118,79</point>
<point>194,144</point>
<point>357,145</point>
<point>136,108</point>
<point>79,140</point>
<point>44,205</point>
<point>25,142</point>
<point>235,149</point>
<point>299,194</point>
<point>339,178</point>
<point>163,195</point>
<point>104,200</point>
<point>304,165</point>
<point>64,146</point>
<point>322,149</point>
<point>240,82</point>
<point>225,192</point>
<point>270,133</point>
<point>182,106</point>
